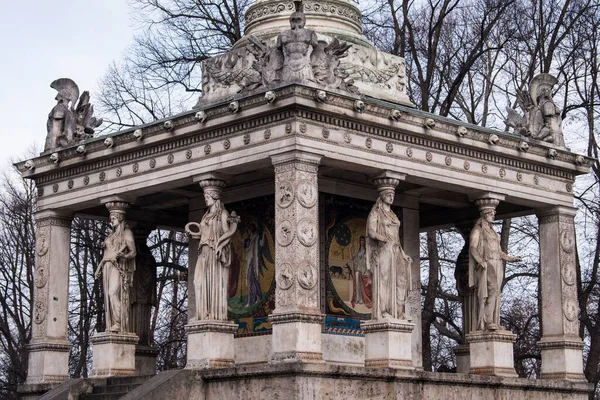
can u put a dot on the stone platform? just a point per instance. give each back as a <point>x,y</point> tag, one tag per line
<point>334,382</point>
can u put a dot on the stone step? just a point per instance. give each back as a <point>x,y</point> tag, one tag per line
<point>103,396</point>
<point>115,388</point>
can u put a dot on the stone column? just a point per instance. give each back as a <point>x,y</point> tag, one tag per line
<point>491,351</point>
<point>388,341</point>
<point>114,352</point>
<point>561,345</point>
<point>143,297</point>
<point>411,245</point>
<point>49,347</point>
<point>297,319</point>
<point>209,341</point>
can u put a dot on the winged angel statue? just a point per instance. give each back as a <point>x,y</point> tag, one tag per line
<point>70,121</point>
<point>542,119</point>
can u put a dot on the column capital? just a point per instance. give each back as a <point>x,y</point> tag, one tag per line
<point>118,198</point>
<point>53,217</point>
<point>550,213</point>
<point>296,156</point>
<point>211,176</point>
<point>387,180</point>
<point>486,195</point>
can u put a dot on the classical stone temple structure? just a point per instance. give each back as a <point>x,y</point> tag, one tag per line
<point>303,177</point>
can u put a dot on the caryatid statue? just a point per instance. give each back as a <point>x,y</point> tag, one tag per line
<point>486,267</point>
<point>214,234</point>
<point>117,267</point>
<point>390,266</point>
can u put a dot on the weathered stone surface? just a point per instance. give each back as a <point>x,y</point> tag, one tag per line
<point>321,381</point>
<point>210,344</point>
<point>113,354</point>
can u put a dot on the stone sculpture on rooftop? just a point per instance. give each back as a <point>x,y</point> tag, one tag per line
<point>72,118</point>
<point>542,118</point>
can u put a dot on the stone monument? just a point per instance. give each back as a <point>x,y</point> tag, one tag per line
<point>300,118</point>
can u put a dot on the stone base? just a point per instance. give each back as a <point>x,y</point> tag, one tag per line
<point>210,344</point>
<point>388,343</point>
<point>296,338</point>
<point>301,381</point>
<point>491,353</point>
<point>562,359</point>
<point>114,354</point>
<point>48,362</point>
<point>145,360</point>
<point>463,361</point>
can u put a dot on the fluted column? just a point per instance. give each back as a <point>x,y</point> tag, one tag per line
<point>49,347</point>
<point>297,318</point>
<point>561,345</point>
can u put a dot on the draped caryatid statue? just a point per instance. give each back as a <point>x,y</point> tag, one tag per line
<point>486,267</point>
<point>214,234</point>
<point>386,259</point>
<point>117,267</point>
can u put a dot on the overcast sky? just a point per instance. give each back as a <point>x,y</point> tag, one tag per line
<point>42,40</point>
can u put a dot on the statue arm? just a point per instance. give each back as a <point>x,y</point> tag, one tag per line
<point>508,258</point>
<point>130,242</point>
<point>229,227</point>
<point>372,229</point>
<point>474,247</point>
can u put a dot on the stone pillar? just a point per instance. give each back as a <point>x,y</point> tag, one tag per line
<point>561,345</point>
<point>491,350</point>
<point>209,342</point>
<point>49,347</point>
<point>143,298</point>
<point>388,341</point>
<point>411,245</point>
<point>297,319</point>
<point>114,352</point>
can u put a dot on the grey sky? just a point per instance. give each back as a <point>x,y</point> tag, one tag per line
<point>42,40</point>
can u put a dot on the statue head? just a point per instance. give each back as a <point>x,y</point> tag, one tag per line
<point>116,218</point>
<point>387,195</point>
<point>489,214</point>
<point>297,20</point>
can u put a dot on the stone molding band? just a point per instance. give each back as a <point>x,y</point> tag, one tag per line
<point>296,317</point>
<point>390,326</point>
<point>211,326</point>
<point>46,379</point>
<point>564,376</point>
<point>121,338</point>
<point>48,346</point>
<point>391,363</point>
<point>495,371</point>
<point>560,344</point>
<point>54,221</point>
<point>297,356</point>
<point>209,363</point>
<point>112,372</point>
<point>481,336</point>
